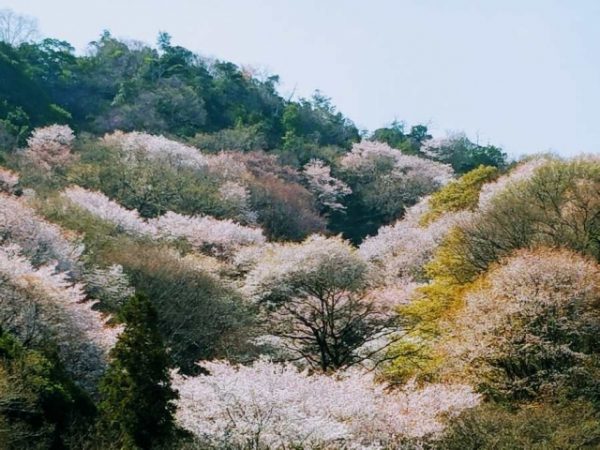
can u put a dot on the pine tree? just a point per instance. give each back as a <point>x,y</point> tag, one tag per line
<point>137,399</point>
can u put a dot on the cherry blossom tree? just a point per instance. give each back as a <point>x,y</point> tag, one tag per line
<point>8,180</point>
<point>49,148</point>
<point>202,232</point>
<point>368,158</point>
<point>38,304</point>
<point>328,190</point>
<point>41,241</point>
<point>109,285</point>
<point>268,405</point>
<point>99,205</point>
<point>401,250</point>
<point>529,323</point>
<point>156,147</point>
<point>384,183</point>
<point>314,296</point>
<point>521,172</point>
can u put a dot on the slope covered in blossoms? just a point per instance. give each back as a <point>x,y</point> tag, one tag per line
<point>361,299</point>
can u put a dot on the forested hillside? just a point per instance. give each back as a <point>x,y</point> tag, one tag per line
<point>189,260</point>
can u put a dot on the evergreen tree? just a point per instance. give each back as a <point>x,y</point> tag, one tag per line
<point>137,399</point>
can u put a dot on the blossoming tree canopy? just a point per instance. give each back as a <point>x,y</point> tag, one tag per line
<point>315,296</point>
<point>276,406</point>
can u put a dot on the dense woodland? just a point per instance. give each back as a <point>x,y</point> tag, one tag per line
<point>189,260</point>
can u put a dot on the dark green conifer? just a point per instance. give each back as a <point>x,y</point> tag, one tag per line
<point>137,399</point>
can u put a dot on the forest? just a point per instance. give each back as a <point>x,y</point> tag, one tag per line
<point>190,260</point>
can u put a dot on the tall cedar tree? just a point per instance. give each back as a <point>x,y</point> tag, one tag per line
<point>137,399</point>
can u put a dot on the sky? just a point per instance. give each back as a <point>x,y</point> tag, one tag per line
<point>520,74</point>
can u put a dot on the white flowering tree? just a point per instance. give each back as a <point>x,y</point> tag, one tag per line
<point>41,241</point>
<point>328,190</point>
<point>268,405</point>
<point>157,148</point>
<point>38,304</point>
<point>202,232</point>
<point>531,323</point>
<point>401,250</point>
<point>49,148</point>
<point>315,298</point>
<point>384,183</point>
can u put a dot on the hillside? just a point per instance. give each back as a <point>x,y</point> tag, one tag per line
<point>188,260</point>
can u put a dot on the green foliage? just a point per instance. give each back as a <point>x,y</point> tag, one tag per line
<point>464,155</point>
<point>549,425</point>
<point>395,136</point>
<point>40,407</point>
<point>151,187</point>
<point>24,94</point>
<point>459,195</point>
<point>199,317</point>
<point>137,399</point>
<point>558,206</point>
<point>240,138</point>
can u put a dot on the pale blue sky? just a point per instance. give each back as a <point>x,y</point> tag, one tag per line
<point>522,74</point>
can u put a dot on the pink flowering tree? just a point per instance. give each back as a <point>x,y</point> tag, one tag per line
<point>268,405</point>
<point>49,148</point>
<point>531,324</point>
<point>384,183</point>
<point>328,190</point>
<point>314,297</point>
<point>204,233</point>
<point>41,304</point>
<point>40,240</point>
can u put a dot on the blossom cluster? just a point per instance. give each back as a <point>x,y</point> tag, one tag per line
<point>41,303</point>
<point>402,249</point>
<point>200,231</point>
<point>206,231</point>
<point>8,180</point>
<point>367,155</point>
<point>40,240</point>
<point>50,147</point>
<point>156,147</point>
<point>327,189</point>
<point>520,173</point>
<point>295,263</point>
<point>110,284</point>
<point>277,406</point>
<point>522,289</point>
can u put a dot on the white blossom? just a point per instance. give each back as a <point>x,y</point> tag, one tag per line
<point>202,232</point>
<point>276,406</point>
<point>50,147</point>
<point>110,284</point>
<point>158,148</point>
<point>523,286</point>
<point>237,195</point>
<point>41,303</point>
<point>520,173</point>
<point>328,190</point>
<point>223,236</point>
<point>366,155</point>
<point>40,240</point>
<point>101,206</point>
<point>402,249</point>
<point>8,180</point>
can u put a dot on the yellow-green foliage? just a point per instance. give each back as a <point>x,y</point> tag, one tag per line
<point>459,195</point>
<point>451,277</point>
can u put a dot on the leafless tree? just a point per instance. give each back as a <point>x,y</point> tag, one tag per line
<point>15,28</point>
